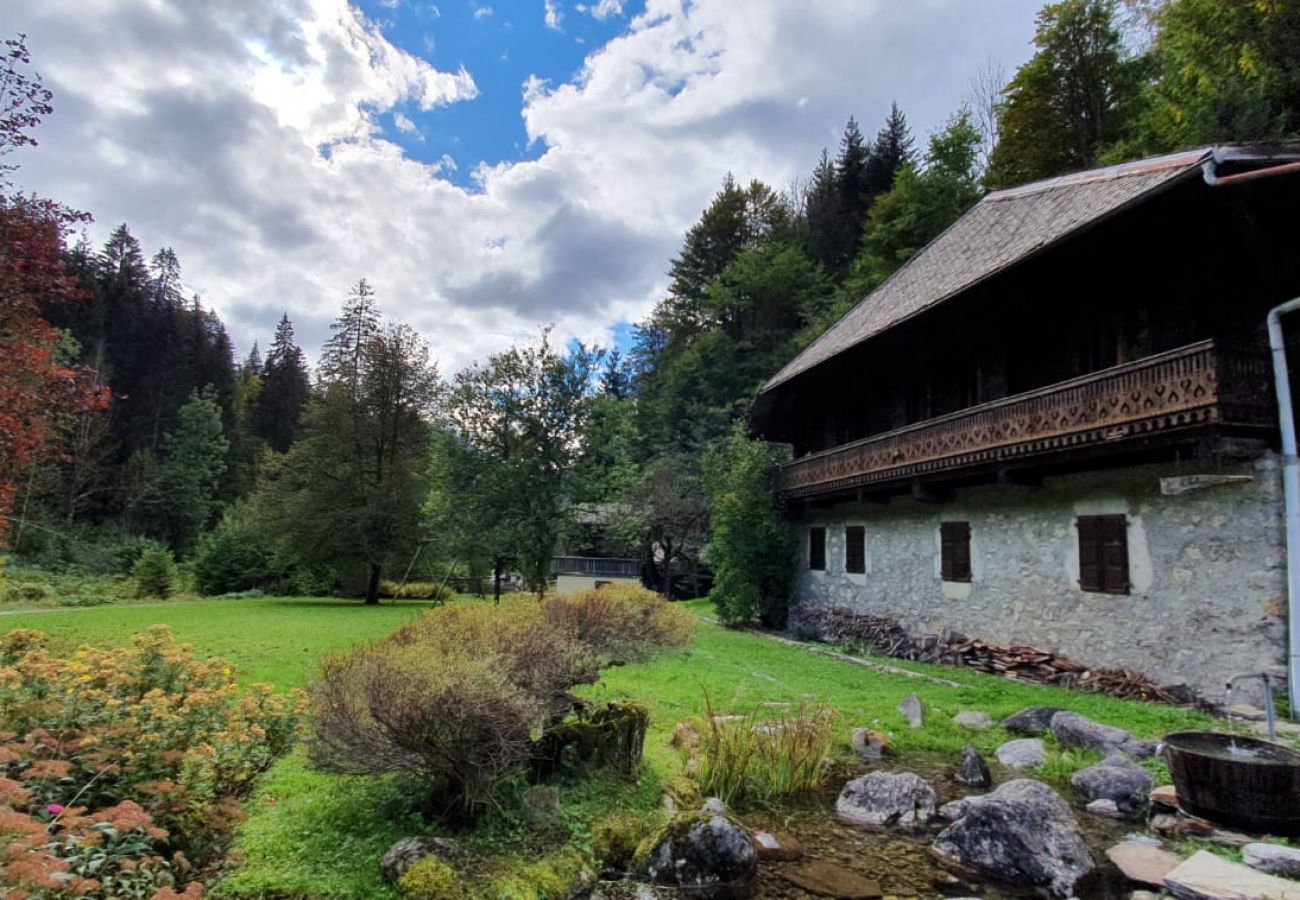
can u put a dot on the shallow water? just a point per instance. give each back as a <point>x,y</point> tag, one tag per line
<point>900,862</point>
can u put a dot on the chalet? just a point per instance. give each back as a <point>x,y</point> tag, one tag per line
<point>1056,426</point>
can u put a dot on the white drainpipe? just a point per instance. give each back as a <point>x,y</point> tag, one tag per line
<point>1291,496</point>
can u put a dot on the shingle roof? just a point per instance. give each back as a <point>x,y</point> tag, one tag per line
<point>1002,229</point>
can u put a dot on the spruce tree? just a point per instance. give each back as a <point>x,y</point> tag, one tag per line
<point>285,389</point>
<point>891,151</point>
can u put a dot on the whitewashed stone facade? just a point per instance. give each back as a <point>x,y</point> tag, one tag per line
<point>1207,568</point>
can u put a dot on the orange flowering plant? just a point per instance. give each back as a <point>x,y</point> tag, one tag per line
<point>120,769</point>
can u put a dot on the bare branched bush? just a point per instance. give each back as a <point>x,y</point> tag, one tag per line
<point>462,697</point>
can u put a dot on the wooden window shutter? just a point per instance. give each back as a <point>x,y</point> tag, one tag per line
<point>1103,554</point>
<point>855,549</point>
<point>817,549</point>
<point>954,551</point>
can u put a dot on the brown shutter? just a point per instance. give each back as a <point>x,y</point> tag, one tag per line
<point>1103,554</point>
<point>1114,554</point>
<point>1089,553</point>
<point>954,556</point>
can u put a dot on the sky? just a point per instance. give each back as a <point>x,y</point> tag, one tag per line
<point>489,167</point>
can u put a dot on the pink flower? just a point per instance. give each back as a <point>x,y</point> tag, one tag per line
<point>54,809</point>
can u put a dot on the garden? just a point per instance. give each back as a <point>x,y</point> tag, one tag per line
<point>277,747</point>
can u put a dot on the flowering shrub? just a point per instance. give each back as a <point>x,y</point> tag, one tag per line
<point>120,769</point>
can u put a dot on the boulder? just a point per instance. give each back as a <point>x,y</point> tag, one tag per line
<point>1120,761</point>
<point>1074,730</point>
<point>409,851</point>
<point>1274,859</point>
<point>882,799</point>
<point>707,856</point>
<point>975,721</point>
<point>1021,834</point>
<point>871,745</point>
<point>1035,721</point>
<point>827,879</point>
<point>912,710</point>
<point>1127,787</point>
<point>972,770</point>
<point>1025,753</point>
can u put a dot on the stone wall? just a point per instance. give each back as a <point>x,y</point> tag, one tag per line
<point>1208,570</point>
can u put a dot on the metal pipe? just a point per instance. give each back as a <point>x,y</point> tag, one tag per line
<point>1290,495</point>
<point>1213,179</point>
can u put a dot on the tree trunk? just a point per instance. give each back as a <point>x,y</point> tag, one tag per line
<point>372,587</point>
<point>668,569</point>
<point>496,584</point>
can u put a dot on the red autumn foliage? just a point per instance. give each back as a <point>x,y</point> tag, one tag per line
<point>34,387</point>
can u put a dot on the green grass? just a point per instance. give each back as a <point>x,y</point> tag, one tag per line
<point>270,639</point>
<point>320,836</point>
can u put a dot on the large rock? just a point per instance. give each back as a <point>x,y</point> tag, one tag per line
<point>1205,876</point>
<point>882,799</point>
<point>1128,787</point>
<point>409,851</point>
<point>1274,859</point>
<point>1021,834</point>
<point>972,770</point>
<point>1025,753</point>
<point>1035,721</point>
<point>912,710</point>
<point>1074,730</point>
<point>707,856</point>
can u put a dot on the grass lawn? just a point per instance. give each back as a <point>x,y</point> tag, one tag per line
<point>313,835</point>
<point>270,639</point>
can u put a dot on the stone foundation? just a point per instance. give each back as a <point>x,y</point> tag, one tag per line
<point>1207,564</point>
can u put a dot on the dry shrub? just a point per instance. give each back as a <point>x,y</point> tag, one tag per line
<point>462,696</point>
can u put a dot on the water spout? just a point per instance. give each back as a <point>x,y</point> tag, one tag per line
<point>1268,699</point>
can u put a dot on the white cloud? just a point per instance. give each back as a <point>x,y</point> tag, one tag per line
<point>246,135</point>
<point>552,14</point>
<point>404,124</point>
<point>482,12</point>
<point>605,9</point>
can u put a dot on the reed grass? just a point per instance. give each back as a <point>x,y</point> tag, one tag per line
<point>760,758</point>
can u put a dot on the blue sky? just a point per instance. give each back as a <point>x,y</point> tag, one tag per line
<point>287,148</point>
<point>502,44</point>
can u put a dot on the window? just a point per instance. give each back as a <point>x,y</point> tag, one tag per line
<point>1103,554</point>
<point>817,549</point>
<point>954,556</point>
<point>855,549</point>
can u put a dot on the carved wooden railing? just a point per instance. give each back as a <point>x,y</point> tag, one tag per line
<point>1206,383</point>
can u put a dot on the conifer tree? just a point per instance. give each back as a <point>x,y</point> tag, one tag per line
<point>891,151</point>
<point>285,390</point>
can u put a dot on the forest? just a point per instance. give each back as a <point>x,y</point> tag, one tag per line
<point>132,435</point>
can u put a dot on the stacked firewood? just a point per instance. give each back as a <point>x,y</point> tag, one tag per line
<point>884,636</point>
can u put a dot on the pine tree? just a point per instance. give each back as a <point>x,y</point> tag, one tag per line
<point>285,390</point>
<point>822,213</point>
<point>253,365</point>
<point>891,151</point>
<point>342,358</point>
<point>614,380</point>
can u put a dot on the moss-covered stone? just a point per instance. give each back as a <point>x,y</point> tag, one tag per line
<point>616,837</point>
<point>612,736</point>
<point>550,878</point>
<point>430,879</point>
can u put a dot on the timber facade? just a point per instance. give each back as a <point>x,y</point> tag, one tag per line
<point>1056,426</point>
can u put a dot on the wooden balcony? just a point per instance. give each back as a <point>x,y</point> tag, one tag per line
<point>597,566</point>
<point>1202,385</point>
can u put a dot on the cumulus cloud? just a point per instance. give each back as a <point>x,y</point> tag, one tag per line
<point>246,134</point>
<point>605,9</point>
<point>552,14</point>
<point>482,12</point>
<point>404,124</point>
